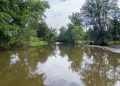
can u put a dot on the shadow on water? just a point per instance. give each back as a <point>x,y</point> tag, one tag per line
<point>60,65</point>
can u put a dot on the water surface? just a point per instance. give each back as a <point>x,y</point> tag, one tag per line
<point>60,65</point>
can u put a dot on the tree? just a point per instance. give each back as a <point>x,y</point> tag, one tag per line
<point>96,13</point>
<point>75,28</point>
<point>75,18</point>
<point>16,17</point>
<point>74,32</point>
<point>115,21</point>
<point>52,34</point>
<point>45,33</point>
<point>115,30</point>
<point>42,30</point>
<point>63,35</point>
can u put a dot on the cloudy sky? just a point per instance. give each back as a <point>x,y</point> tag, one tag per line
<point>59,11</point>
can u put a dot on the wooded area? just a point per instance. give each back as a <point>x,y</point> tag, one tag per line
<point>101,18</point>
<point>23,21</point>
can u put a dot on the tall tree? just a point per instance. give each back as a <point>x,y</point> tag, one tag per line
<point>115,21</point>
<point>16,16</point>
<point>74,32</point>
<point>96,14</point>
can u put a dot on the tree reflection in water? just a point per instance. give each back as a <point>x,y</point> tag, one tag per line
<point>60,66</point>
<point>104,71</point>
<point>98,67</point>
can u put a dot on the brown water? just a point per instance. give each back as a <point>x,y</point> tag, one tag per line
<point>59,65</point>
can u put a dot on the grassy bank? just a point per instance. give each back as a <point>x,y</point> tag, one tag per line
<point>112,42</point>
<point>37,42</point>
<point>92,42</point>
<point>85,42</point>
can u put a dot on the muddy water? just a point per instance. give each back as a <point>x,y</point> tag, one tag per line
<point>60,65</point>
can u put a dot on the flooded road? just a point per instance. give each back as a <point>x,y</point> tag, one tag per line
<point>60,65</point>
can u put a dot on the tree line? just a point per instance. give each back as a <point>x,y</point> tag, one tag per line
<point>73,32</point>
<point>100,17</point>
<point>22,19</point>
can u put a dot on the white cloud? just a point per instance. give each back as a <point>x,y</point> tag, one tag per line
<point>119,3</point>
<point>57,15</point>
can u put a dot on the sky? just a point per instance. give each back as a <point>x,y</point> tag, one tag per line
<point>57,15</point>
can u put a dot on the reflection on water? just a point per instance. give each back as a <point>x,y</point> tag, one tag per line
<point>60,66</point>
<point>57,71</point>
<point>14,59</point>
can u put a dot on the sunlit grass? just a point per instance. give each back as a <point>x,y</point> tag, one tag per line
<point>37,42</point>
<point>112,42</point>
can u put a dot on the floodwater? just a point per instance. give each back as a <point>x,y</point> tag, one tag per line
<point>60,65</point>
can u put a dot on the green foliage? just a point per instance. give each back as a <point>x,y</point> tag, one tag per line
<point>113,42</point>
<point>102,16</point>
<point>35,42</point>
<point>75,18</point>
<point>46,33</point>
<point>73,33</point>
<point>77,33</point>
<point>115,30</point>
<point>63,37</point>
<point>42,30</point>
<point>17,18</point>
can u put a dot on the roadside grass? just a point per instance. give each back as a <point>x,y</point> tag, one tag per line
<point>37,42</point>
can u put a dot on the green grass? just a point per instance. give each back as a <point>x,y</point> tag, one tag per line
<point>37,42</point>
<point>112,42</point>
<point>86,41</point>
